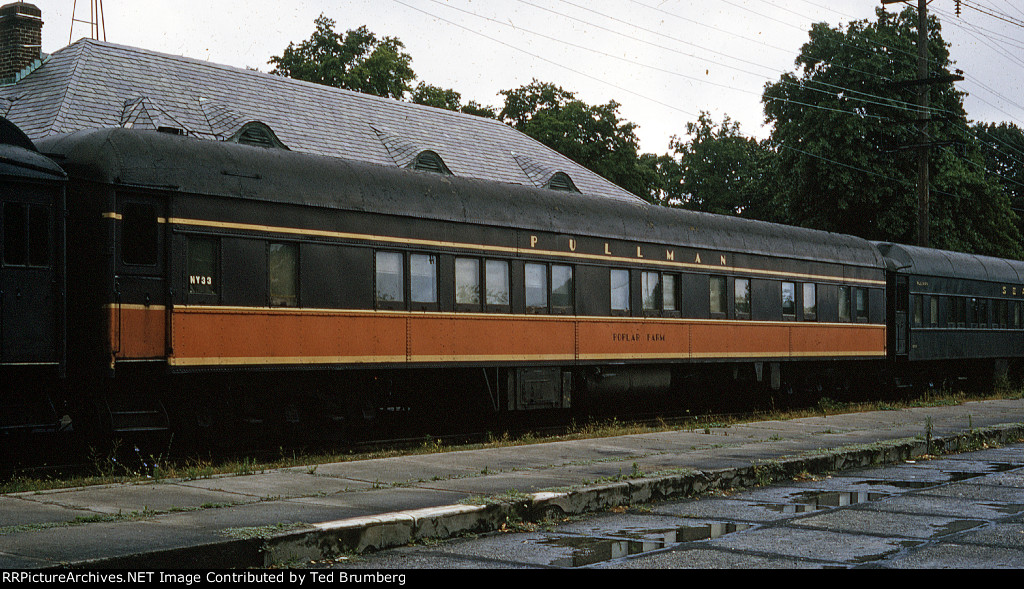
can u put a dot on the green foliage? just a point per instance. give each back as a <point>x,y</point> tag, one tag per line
<point>1002,146</point>
<point>357,60</point>
<point>449,99</point>
<point>591,135</point>
<point>843,126</point>
<point>719,171</point>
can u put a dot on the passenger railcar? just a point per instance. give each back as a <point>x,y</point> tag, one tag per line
<point>953,315</point>
<point>32,305</point>
<point>213,258</point>
<point>213,283</point>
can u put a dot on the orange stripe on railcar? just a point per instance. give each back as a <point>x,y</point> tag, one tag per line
<point>239,336</point>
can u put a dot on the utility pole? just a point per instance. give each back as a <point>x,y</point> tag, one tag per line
<point>922,116</point>
<point>924,147</point>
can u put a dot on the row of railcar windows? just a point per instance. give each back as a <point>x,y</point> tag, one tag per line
<point>965,312</point>
<point>549,288</point>
<point>410,281</point>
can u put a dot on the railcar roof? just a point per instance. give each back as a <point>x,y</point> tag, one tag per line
<point>160,160</point>
<point>19,157</point>
<point>92,84</point>
<point>932,262</point>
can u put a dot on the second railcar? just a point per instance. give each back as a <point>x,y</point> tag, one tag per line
<point>954,315</point>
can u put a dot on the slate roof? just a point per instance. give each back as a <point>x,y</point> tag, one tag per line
<point>94,84</point>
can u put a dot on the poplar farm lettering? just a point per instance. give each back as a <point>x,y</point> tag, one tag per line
<point>638,337</point>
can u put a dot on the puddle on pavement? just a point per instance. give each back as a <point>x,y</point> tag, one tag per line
<point>957,525</point>
<point>808,501</point>
<point>884,555</point>
<point>1003,466</point>
<point>588,550</point>
<point>1008,508</point>
<point>954,477</point>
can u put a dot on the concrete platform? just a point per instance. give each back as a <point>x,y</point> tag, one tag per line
<point>300,514</point>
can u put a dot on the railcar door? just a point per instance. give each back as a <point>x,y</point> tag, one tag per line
<point>139,311</point>
<point>31,304</point>
<point>901,323</point>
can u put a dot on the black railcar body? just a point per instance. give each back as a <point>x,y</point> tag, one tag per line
<point>210,278</point>
<point>32,305</point>
<point>952,307</point>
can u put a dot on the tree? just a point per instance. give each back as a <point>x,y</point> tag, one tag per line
<point>844,135</point>
<point>357,60</point>
<point>1003,148</point>
<point>591,135</point>
<point>445,98</point>
<point>721,171</point>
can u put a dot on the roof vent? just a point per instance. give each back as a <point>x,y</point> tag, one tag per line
<point>258,134</point>
<point>561,181</point>
<point>428,161</point>
<point>543,176</point>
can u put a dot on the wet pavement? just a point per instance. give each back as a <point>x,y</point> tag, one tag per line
<point>772,493</point>
<point>961,511</point>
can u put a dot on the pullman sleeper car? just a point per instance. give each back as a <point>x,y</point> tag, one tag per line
<point>211,283</point>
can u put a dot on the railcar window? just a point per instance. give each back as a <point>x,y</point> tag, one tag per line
<point>718,295</point>
<point>620,291</point>
<point>669,292</point>
<point>810,302</point>
<point>38,236</point>
<point>933,312</point>
<point>651,285</point>
<point>860,296</point>
<point>918,311</point>
<point>26,231</point>
<point>789,299</point>
<point>15,234</point>
<point>283,274</point>
<point>139,234</point>
<point>497,282</point>
<point>467,281</point>
<point>844,303</point>
<point>390,277</point>
<point>536,288</point>
<point>561,289</point>
<point>742,290</point>
<point>1016,315</point>
<point>423,278</point>
<point>202,265</point>
<point>961,311</point>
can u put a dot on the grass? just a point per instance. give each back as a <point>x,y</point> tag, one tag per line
<point>108,468</point>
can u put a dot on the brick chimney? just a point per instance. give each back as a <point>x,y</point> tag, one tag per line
<point>21,37</point>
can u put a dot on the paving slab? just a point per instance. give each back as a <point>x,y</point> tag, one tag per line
<point>904,525</point>
<point>822,545</point>
<point>18,511</point>
<point>124,499</point>
<point>953,556</point>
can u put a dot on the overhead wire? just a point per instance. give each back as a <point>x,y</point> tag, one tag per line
<point>840,92</point>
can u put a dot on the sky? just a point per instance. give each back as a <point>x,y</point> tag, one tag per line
<point>663,61</point>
